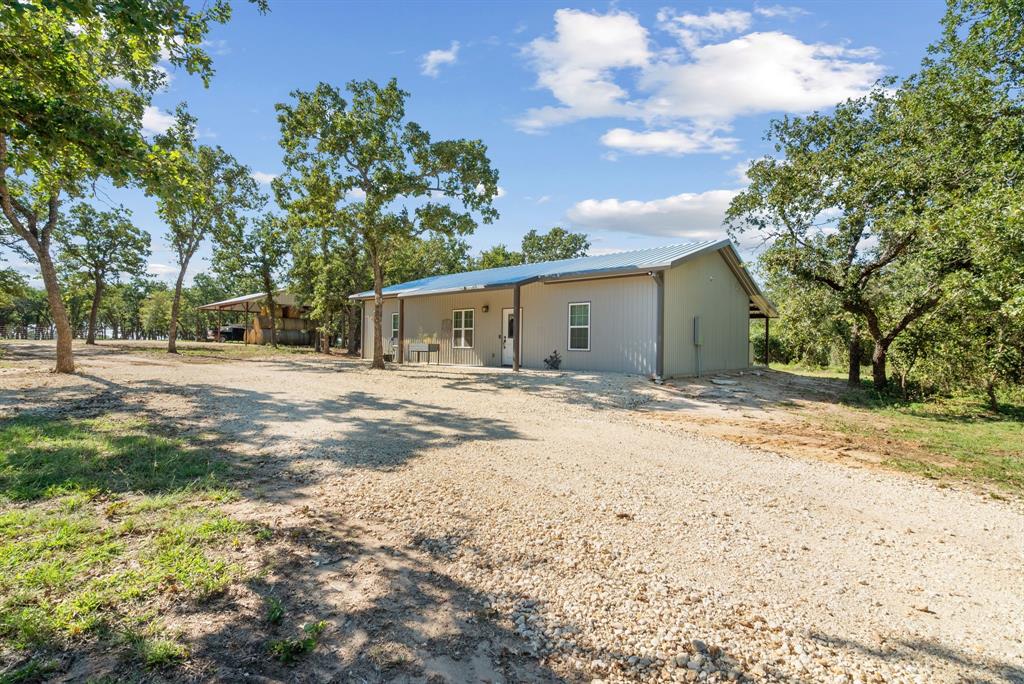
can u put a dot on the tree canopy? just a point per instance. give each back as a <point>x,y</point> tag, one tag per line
<point>398,181</point>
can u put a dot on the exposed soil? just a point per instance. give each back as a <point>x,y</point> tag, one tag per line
<point>782,412</point>
<point>473,525</point>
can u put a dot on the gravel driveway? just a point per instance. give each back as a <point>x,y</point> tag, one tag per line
<point>599,543</point>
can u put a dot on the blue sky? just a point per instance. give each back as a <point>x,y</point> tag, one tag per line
<point>629,121</point>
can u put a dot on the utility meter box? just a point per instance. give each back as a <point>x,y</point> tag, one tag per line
<point>698,332</point>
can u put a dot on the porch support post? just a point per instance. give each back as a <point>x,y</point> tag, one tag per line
<point>220,322</point>
<point>766,341</point>
<point>401,330</point>
<point>516,336</point>
<point>659,281</point>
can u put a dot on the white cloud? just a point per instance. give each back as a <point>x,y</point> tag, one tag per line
<point>432,62</point>
<point>161,270</point>
<point>758,73</point>
<point>216,47</point>
<point>608,66</point>
<point>693,29</point>
<point>500,191</point>
<point>543,199</point>
<point>670,141</point>
<point>155,121</point>
<point>694,216</point>
<point>780,11</point>
<point>263,178</point>
<point>576,66</point>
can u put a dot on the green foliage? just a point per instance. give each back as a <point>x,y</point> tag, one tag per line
<point>259,248</point>
<point>899,215</point>
<point>273,610</point>
<point>155,313</point>
<point>290,650</point>
<point>556,244</point>
<point>103,244</point>
<point>100,246</point>
<point>201,192</point>
<point>498,256</point>
<point>416,258</point>
<point>75,78</point>
<point>394,181</point>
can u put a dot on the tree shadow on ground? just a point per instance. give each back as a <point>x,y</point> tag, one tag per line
<point>914,650</point>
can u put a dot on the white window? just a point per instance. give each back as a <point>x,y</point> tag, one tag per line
<point>394,326</point>
<point>462,328</point>
<point>579,326</point>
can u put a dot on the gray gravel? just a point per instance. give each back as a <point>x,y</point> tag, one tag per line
<point>623,549</point>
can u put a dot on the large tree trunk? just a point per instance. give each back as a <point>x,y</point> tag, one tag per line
<point>172,333</point>
<point>378,312</point>
<point>990,393</point>
<point>878,375</point>
<point>97,293</point>
<point>352,323</point>
<point>65,357</point>
<point>853,377</point>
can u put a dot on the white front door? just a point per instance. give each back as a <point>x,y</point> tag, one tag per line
<point>507,331</point>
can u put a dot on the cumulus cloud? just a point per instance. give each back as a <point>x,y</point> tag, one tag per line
<point>690,215</point>
<point>431,63</point>
<point>263,178</point>
<point>576,66</point>
<point>155,121</point>
<point>715,70</point>
<point>671,141</point>
<point>693,29</point>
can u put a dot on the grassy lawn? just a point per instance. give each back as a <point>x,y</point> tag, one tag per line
<point>221,350</point>
<point>100,520</point>
<point>947,438</point>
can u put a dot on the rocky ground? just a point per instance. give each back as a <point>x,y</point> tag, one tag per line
<point>470,525</point>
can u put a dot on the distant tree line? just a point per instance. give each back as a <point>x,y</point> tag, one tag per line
<point>892,226</point>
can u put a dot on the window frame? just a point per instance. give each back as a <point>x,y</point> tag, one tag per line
<point>395,324</point>
<point>568,340</point>
<point>463,328</point>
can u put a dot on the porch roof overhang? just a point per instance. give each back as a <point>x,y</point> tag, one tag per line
<point>251,302</point>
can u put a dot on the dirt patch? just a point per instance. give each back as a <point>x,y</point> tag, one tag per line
<point>787,414</point>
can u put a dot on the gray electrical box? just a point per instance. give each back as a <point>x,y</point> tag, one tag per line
<point>698,332</point>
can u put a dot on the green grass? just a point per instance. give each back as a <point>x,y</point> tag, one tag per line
<point>290,650</point>
<point>103,517</point>
<point>945,438</point>
<point>973,443</point>
<point>222,350</point>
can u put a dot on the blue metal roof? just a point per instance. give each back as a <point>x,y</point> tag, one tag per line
<point>652,259</point>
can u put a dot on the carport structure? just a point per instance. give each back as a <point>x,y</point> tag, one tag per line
<point>250,304</point>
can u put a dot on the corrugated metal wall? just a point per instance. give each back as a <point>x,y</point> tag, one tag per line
<point>622,324</point>
<point>705,287</point>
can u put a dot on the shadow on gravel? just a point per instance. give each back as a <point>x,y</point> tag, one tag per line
<point>377,432</point>
<point>390,613</point>
<point>971,668</point>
